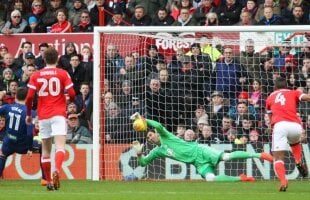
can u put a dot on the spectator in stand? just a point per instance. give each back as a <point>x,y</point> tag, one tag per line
<point>180,130</point>
<point>161,64</point>
<point>71,108</point>
<point>307,130</point>
<point>185,19</point>
<point>176,61</point>
<point>49,17</point>
<point>293,82</point>
<point>82,100</point>
<point>298,17</point>
<point>266,128</point>
<point>270,18</point>
<point>113,61</point>
<point>37,12</point>
<point>39,61</point>
<point>25,48</point>
<point>250,59</point>
<point>304,3</point>
<point>199,115</point>
<point>134,105</point>
<point>8,63</point>
<point>243,132</point>
<point>26,75</point>
<point>152,58</point>
<point>76,72</point>
<point>90,4</point>
<point>7,77</point>
<point>140,18</point>
<point>241,109</point>
<point>217,108</point>
<point>85,24</point>
<point>267,3</point>
<point>211,19</point>
<point>64,60</point>
<point>204,120</point>
<point>94,13</point>
<point>257,97</point>
<point>3,50</point>
<point>77,133</point>
<point>126,94</point>
<point>130,72</point>
<point>118,18</point>
<point>208,136</point>
<point>87,63</point>
<point>229,75</point>
<point>178,4</point>
<point>190,136</point>
<point>32,25</point>
<point>255,137</point>
<point>108,99</point>
<point>227,131</point>
<point>62,25</point>
<point>29,60</point>
<point>162,18</point>
<point>9,97</point>
<point>111,5</point>
<point>285,12</point>
<point>114,133</point>
<point>201,12</point>
<point>207,48</point>
<point>266,74</point>
<point>74,15</point>
<point>251,8</point>
<point>304,52</point>
<point>283,55</point>
<point>19,5</point>
<point>229,13</point>
<point>304,72</point>
<point>15,24</point>
<point>246,19</point>
<point>150,7</point>
<point>202,62</point>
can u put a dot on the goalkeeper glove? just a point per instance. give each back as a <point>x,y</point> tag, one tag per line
<point>137,147</point>
<point>135,116</point>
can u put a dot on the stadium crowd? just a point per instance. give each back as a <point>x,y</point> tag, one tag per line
<point>205,94</point>
<point>65,16</point>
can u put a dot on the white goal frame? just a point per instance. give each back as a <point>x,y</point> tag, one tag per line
<point>155,29</point>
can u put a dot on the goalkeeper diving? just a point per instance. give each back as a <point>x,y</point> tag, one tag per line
<point>204,158</point>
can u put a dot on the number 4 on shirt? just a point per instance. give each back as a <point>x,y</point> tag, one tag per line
<point>280,99</point>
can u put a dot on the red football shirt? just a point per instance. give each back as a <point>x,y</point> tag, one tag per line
<point>282,103</point>
<point>50,85</point>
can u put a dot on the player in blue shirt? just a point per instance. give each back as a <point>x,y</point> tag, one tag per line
<point>18,136</point>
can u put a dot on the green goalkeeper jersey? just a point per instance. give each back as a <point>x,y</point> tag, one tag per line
<point>177,149</point>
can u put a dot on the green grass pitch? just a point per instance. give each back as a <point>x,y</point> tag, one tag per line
<point>147,190</point>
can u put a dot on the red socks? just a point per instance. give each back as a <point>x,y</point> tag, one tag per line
<point>279,168</point>
<point>46,166</point>
<point>296,151</point>
<point>59,158</point>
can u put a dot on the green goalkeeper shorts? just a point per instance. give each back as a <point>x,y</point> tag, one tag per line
<point>207,160</point>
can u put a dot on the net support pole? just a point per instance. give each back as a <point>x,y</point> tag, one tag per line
<point>96,107</point>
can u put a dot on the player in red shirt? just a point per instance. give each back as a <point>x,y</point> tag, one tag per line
<point>286,128</point>
<point>50,84</point>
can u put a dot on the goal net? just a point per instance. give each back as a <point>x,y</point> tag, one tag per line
<point>204,84</point>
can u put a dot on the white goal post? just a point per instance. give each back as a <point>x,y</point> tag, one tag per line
<point>257,32</point>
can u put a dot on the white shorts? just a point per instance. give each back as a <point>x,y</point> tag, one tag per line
<point>285,133</point>
<point>53,126</point>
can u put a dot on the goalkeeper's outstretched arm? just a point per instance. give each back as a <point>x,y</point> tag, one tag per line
<point>158,126</point>
<point>143,160</point>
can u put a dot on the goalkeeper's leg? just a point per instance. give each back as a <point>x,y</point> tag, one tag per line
<point>244,155</point>
<point>211,177</point>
